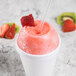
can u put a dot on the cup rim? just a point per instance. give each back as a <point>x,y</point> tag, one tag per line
<point>44,55</point>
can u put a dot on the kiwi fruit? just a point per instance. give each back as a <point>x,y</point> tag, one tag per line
<point>17,28</point>
<point>64,16</point>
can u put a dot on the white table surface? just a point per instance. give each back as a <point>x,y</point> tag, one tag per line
<point>12,10</point>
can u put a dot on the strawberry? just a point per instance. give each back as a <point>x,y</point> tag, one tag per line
<point>3,29</point>
<point>11,32</point>
<point>27,20</point>
<point>68,26</point>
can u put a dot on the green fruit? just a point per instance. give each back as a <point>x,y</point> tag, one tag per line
<point>64,16</point>
<point>75,19</point>
<point>17,28</point>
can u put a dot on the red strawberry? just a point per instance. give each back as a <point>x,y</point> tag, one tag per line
<point>3,29</point>
<point>68,26</point>
<point>11,32</point>
<point>27,20</point>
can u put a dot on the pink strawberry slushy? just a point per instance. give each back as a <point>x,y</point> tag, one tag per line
<point>33,41</point>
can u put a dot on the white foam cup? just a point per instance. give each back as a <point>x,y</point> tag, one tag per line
<point>38,65</point>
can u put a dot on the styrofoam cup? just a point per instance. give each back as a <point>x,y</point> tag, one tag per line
<point>38,65</point>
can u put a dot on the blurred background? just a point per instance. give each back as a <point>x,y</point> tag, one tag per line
<point>13,10</point>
